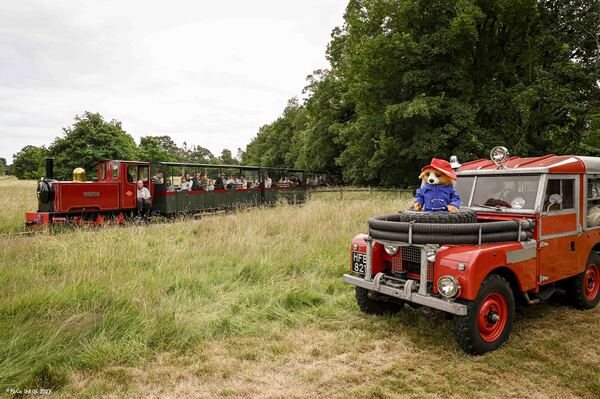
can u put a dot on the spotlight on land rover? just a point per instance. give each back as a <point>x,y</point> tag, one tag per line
<point>499,155</point>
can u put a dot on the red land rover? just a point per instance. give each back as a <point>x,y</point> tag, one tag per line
<point>526,227</point>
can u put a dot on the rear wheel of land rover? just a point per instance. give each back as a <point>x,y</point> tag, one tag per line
<point>369,305</point>
<point>584,289</point>
<point>488,322</point>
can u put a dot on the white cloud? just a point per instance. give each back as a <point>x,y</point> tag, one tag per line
<point>208,73</point>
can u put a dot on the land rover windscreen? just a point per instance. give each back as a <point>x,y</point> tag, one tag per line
<point>516,193</point>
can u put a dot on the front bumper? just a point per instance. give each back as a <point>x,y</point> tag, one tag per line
<point>407,292</point>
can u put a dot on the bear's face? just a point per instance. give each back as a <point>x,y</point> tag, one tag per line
<point>434,177</point>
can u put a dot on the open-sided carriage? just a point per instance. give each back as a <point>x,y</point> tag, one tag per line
<point>173,202</point>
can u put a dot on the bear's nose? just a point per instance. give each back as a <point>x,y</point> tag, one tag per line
<point>431,181</point>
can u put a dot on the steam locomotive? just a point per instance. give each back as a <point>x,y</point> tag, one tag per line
<point>110,198</point>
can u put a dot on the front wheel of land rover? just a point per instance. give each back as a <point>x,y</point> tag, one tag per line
<point>488,322</point>
<point>369,305</point>
<point>584,289</point>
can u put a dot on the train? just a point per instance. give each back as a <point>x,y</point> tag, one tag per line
<point>110,198</point>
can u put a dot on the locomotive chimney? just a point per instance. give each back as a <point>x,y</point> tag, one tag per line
<point>49,168</point>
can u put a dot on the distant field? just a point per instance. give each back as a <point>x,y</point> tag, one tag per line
<point>16,198</point>
<point>250,305</point>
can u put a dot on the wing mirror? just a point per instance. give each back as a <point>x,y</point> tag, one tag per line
<point>554,199</point>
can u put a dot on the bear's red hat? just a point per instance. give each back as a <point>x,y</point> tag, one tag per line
<point>441,166</point>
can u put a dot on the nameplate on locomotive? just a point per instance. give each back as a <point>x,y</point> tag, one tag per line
<point>91,194</point>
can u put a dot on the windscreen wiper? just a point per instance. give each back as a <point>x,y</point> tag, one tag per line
<point>497,207</point>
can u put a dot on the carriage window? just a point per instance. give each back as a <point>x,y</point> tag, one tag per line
<point>563,187</point>
<point>102,172</point>
<point>132,173</point>
<point>115,169</point>
<point>143,173</point>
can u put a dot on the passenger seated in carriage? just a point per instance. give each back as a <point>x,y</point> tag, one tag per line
<point>186,185</point>
<point>158,179</point>
<point>169,184</point>
<point>268,182</point>
<point>198,182</point>
<point>143,199</point>
<point>219,182</point>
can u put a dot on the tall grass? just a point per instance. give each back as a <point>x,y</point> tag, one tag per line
<point>16,198</point>
<point>252,305</point>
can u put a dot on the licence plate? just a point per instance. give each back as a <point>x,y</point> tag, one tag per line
<point>359,262</point>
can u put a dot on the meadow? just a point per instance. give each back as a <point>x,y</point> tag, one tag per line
<point>250,304</point>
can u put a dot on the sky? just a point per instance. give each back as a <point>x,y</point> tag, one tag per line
<point>208,73</point>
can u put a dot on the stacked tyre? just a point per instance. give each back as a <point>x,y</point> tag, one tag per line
<point>447,228</point>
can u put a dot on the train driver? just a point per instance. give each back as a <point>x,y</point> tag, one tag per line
<point>143,199</point>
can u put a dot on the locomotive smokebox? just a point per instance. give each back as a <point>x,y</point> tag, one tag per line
<point>50,168</point>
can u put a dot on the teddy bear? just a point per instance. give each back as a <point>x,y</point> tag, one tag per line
<point>437,194</point>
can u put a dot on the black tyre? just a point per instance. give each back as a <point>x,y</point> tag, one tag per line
<point>488,322</point>
<point>369,305</point>
<point>462,216</point>
<point>584,289</point>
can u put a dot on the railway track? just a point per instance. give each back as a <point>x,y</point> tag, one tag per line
<point>153,221</point>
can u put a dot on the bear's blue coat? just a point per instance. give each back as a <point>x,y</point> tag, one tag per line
<point>436,198</point>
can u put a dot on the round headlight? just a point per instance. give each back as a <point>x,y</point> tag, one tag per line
<point>499,155</point>
<point>448,286</point>
<point>518,203</point>
<point>391,250</point>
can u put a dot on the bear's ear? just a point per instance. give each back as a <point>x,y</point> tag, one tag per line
<point>422,174</point>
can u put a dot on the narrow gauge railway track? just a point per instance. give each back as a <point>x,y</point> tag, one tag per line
<point>129,222</point>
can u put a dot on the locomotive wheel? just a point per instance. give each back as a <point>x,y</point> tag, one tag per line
<point>373,306</point>
<point>584,289</point>
<point>488,322</point>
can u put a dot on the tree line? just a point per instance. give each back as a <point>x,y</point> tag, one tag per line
<point>92,139</point>
<point>413,79</point>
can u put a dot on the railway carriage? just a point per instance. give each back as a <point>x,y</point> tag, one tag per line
<point>110,198</point>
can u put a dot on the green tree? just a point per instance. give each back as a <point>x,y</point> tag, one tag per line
<point>91,139</point>
<point>195,154</point>
<point>413,79</point>
<point>273,145</point>
<point>29,162</point>
<point>153,149</point>
<point>227,158</point>
<point>3,166</point>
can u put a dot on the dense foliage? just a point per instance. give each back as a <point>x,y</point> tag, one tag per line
<point>89,140</point>
<point>29,162</point>
<point>412,79</point>
<point>92,139</point>
<point>3,166</point>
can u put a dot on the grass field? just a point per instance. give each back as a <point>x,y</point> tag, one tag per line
<point>16,198</point>
<point>250,305</point>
